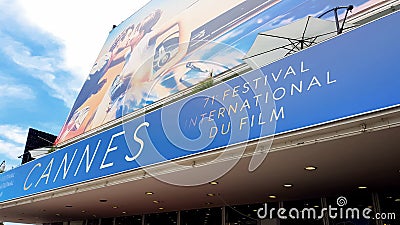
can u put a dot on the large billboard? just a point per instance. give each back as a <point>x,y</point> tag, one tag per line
<point>168,46</point>
<point>344,77</point>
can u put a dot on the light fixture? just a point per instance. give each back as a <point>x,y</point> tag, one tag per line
<point>115,207</point>
<point>161,208</point>
<point>272,196</point>
<point>149,193</point>
<point>288,185</point>
<point>397,200</point>
<point>213,183</point>
<point>210,195</point>
<point>316,206</point>
<point>310,168</point>
<point>123,212</point>
<point>362,187</point>
<point>156,202</point>
<point>83,211</point>
<point>103,200</point>
<point>68,206</point>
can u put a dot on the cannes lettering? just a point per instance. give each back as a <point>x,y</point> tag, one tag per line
<point>49,174</point>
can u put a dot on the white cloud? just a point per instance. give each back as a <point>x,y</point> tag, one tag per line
<point>22,55</point>
<point>42,68</point>
<point>10,149</point>
<point>279,21</point>
<point>12,143</point>
<point>233,33</point>
<point>61,91</point>
<point>82,26</point>
<point>79,28</point>
<point>14,133</point>
<point>11,90</point>
<point>228,57</point>
<point>16,91</point>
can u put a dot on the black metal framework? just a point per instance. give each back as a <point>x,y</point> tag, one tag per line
<point>339,27</point>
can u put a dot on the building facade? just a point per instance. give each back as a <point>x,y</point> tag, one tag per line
<point>238,112</point>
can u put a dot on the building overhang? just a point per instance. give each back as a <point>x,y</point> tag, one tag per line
<point>355,152</point>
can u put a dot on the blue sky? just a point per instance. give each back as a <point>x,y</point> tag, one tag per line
<point>46,53</point>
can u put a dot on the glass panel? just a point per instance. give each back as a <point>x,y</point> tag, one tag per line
<point>247,214</point>
<point>350,208</point>
<point>92,222</point>
<point>305,212</point>
<point>210,216</point>
<point>79,222</point>
<point>169,218</point>
<point>107,221</point>
<point>390,207</point>
<point>129,220</point>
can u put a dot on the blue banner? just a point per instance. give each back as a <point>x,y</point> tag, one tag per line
<point>352,74</point>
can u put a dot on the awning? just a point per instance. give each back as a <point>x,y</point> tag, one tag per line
<point>275,44</point>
